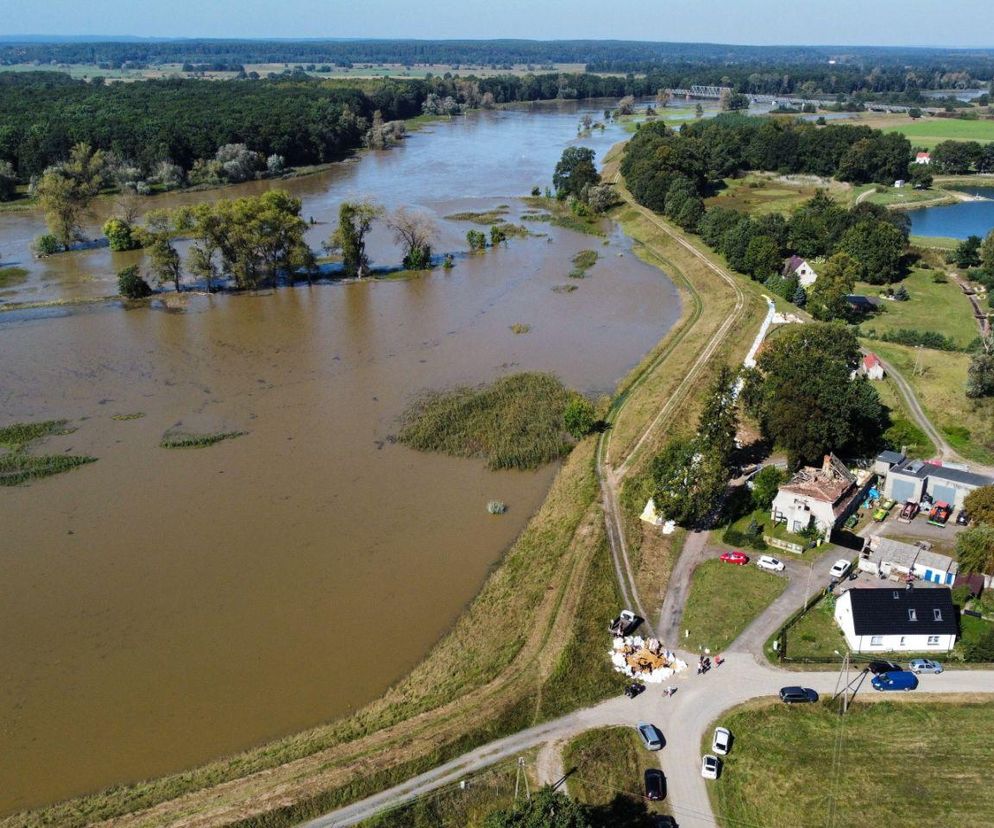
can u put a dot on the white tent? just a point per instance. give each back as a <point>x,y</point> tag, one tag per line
<point>650,515</point>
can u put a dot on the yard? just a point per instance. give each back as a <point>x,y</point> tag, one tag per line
<point>885,763</point>
<point>939,383</point>
<point>758,194</point>
<point>761,518</point>
<point>723,600</point>
<point>607,764</point>
<point>890,196</point>
<point>933,306</point>
<point>816,635</point>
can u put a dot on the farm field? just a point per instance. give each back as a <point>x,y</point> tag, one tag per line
<point>783,769</point>
<point>931,131</point>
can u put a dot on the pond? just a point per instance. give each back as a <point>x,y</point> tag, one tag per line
<point>957,221</point>
<point>159,608</point>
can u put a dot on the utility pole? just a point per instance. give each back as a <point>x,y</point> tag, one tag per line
<point>517,779</point>
<point>844,682</point>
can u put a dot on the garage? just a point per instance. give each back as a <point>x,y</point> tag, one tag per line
<point>902,490</point>
<point>942,493</point>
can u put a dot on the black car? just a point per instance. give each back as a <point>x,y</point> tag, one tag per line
<point>798,695</point>
<point>632,690</point>
<point>655,784</point>
<point>962,519</point>
<point>878,667</point>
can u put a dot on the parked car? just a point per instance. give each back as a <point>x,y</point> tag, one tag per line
<point>722,741</point>
<point>770,563</point>
<point>650,735</point>
<point>895,680</point>
<point>839,568</point>
<point>908,511</point>
<point>878,667</point>
<point>735,558</point>
<point>963,519</point>
<point>925,665</point>
<point>625,624</point>
<point>634,689</point>
<point>709,766</point>
<point>655,784</point>
<point>797,695</point>
<point>883,511</point>
<point>939,516</point>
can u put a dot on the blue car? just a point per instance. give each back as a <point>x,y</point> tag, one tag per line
<point>903,680</point>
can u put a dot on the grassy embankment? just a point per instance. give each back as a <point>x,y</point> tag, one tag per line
<point>918,761</point>
<point>605,769</point>
<point>723,600</point>
<point>527,648</point>
<point>17,466</point>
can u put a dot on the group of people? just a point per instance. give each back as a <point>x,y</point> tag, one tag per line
<point>704,663</point>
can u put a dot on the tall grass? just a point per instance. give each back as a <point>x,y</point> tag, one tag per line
<point>18,435</point>
<point>485,217</point>
<point>18,467</point>
<point>582,262</point>
<point>178,439</point>
<point>514,423</point>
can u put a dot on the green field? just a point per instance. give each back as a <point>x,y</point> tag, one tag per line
<point>758,194</point>
<point>940,307</point>
<point>888,763</point>
<point>929,132</point>
<point>898,196</point>
<point>607,765</point>
<point>723,600</point>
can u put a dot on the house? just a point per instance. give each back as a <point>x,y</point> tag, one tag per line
<point>886,460</point>
<point>796,266</point>
<point>823,496</point>
<point>893,620</point>
<point>913,479</point>
<point>863,304</point>
<point>888,558</point>
<point>872,367</point>
<point>923,158</point>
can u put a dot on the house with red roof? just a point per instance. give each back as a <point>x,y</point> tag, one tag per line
<point>923,158</point>
<point>872,367</point>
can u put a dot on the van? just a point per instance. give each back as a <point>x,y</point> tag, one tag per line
<point>895,680</point>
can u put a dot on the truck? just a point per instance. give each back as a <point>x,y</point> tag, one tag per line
<point>939,516</point>
<point>908,511</point>
<point>625,624</point>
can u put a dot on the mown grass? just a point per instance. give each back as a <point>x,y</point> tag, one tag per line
<point>939,384</point>
<point>910,762</point>
<point>928,132</point>
<point>723,600</point>
<point>582,262</point>
<point>10,276</point>
<point>606,763</point>
<point>932,306</point>
<point>815,635</point>
<point>178,439</point>
<point>515,422</point>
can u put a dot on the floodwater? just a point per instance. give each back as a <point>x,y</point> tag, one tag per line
<point>957,221</point>
<point>159,608</point>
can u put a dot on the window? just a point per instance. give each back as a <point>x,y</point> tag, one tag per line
<point>937,614</point>
<point>912,615</point>
<point>876,640</point>
<point>933,640</point>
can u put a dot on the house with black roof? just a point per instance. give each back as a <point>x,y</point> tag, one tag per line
<point>910,479</point>
<point>892,619</point>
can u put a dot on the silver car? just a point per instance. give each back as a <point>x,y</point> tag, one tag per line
<point>925,665</point>
<point>650,735</point>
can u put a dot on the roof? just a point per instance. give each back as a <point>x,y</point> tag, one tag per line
<point>936,562</point>
<point>922,155</point>
<point>793,263</point>
<point>871,361</point>
<point>863,303</point>
<point>889,611</point>
<point>828,483</point>
<point>891,457</point>
<point>886,550</point>
<point>922,469</point>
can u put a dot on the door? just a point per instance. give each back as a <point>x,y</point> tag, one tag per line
<point>940,492</point>
<point>902,490</point>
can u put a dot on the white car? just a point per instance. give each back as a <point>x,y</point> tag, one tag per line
<point>768,562</point>
<point>709,767</point>
<point>722,741</point>
<point>839,568</point>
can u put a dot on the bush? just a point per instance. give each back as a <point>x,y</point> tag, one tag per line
<point>131,285</point>
<point>733,537</point>
<point>118,233</point>
<point>927,339</point>
<point>47,245</point>
<point>579,417</point>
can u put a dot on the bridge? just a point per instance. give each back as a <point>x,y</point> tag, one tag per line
<point>716,92</point>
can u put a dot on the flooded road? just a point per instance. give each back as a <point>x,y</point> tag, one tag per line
<point>159,608</point>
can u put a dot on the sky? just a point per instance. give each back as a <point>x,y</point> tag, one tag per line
<point>849,22</point>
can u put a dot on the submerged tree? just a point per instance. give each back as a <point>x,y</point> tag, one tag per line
<point>66,190</point>
<point>415,231</point>
<point>355,218</point>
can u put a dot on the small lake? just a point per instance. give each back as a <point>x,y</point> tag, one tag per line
<point>957,221</point>
<point>159,608</point>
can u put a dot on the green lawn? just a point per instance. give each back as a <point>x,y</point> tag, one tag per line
<point>942,308</point>
<point>816,635</point>
<point>758,195</point>
<point>724,599</point>
<point>931,131</point>
<point>763,519</point>
<point>939,384</point>
<point>903,430</point>
<point>607,763</point>
<point>937,242</point>
<point>889,763</point>
<point>904,195</point>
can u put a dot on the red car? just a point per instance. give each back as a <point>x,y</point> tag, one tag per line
<point>735,558</point>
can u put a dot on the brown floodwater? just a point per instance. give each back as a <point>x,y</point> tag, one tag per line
<point>159,608</point>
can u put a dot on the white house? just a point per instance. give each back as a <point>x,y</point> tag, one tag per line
<point>805,273</point>
<point>872,367</point>
<point>889,619</point>
<point>893,559</point>
<point>823,495</point>
<point>923,158</point>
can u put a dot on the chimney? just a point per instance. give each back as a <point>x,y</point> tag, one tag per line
<point>826,464</point>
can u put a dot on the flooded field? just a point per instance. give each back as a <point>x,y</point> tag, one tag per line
<point>162,607</point>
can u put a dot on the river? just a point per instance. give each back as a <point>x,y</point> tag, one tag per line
<point>159,608</point>
<point>959,220</point>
